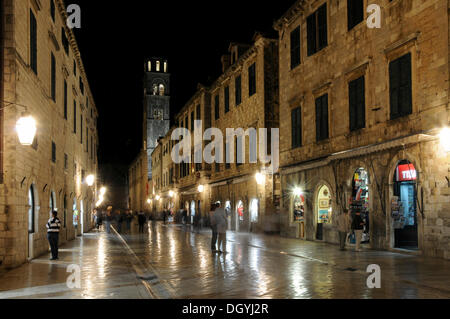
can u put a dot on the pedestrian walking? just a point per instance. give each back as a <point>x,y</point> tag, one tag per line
<point>220,220</point>
<point>212,223</point>
<point>129,219</point>
<point>119,220</point>
<point>53,227</point>
<point>343,226</point>
<point>108,219</point>
<point>197,223</point>
<point>358,227</point>
<point>164,216</point>
<point>141,221</point>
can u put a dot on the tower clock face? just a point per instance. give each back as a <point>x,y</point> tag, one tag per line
<point>158,115</point>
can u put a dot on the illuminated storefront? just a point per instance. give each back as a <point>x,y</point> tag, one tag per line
<point>324,210</point>
<point>298,212</point>
<point>360,199</point>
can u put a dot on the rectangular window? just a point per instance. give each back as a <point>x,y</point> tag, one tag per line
<point>199,113</point>
<point>357,104</point>
<point>316,25</point>
<point>33,42</point>
<point>66,162</point>
<point>238,90</point>
<point>75,117</point>
<point>400,86</point>
<point>64,40</point>
<point>295,47</point>
<point>65,100</point>
<point>81,128</point>
<point>355,13</point>
<point>227,99</point>
<point>252,79</point>
<point>81,85</point>
<point>216,108</point>
<point>217,167</point>
<point>192,120</point>
<point>53,152</point>
<point>227,151</point>
<point>296,127</point>
<point>53,77</point>
<point>52,10</point>
<point>322,118</point>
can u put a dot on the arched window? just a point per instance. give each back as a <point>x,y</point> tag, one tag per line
<point>31,210</point>
<point>155,89</point>
<point>324,205</point>
<point>149,66</point>
<point>161,89</point>
<point>165,67</point>
<point>158,66</point>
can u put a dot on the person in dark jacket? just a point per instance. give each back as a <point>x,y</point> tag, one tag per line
<point>358,227</point>
<point>213,225</point>
<point>108,220</point>
<point>129,219</point>
<point>53,227</point>
<point>141,221</point>
<point>119,220</point>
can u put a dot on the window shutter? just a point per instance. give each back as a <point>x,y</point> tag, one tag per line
<point>318,118</point>
<point>295,47</point>
<point>361,115</point>
<point>294,128</point>
<point>33,42</point>
<point>394,87</point>
<point>324,124</point>
<point>322,24</point>
<point>311,33</point>
<point>405,83</point>
<point>352,104</point>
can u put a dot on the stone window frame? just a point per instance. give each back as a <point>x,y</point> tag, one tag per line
<point>317,93</point>
<point>408,44</point>
<point>361,70</point>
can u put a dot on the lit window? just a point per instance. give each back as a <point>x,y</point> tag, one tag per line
<point>149,66</point>
<point>158,66</point>
<point>165,67</point>
<point>161,89</point>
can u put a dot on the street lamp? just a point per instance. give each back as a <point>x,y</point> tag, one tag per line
<point>297,191</point>
<point>90,180</point>
<point>445,139</point>
<point>158,197</point>
<point>102,191</point>
<point>171,193</point>
<point>201,188</point>
<point>260,178</point>
<point>26,129</point>
<point>149,201</point>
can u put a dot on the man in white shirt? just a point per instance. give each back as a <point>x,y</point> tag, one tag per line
<point>53,227</point>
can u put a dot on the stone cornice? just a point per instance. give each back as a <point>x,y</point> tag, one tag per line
<point>73,43</point>
<point>292,12</point>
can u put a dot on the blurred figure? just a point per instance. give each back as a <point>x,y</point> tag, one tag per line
<point>213,227</point>
<point>119,220</point>
<point>164,216</point>
<point>129,219</point>
<point>108,219</point>
<point>220,220</point>
<point>358,227</point>
<point>344,227</point>
<point>141,221</point>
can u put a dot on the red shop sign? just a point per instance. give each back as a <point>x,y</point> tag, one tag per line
<point>406,172</point>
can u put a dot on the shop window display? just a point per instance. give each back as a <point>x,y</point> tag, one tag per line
<point>360,199</point>
<point>324,206</point>
<point>254,211</point>
<point>299,208</point>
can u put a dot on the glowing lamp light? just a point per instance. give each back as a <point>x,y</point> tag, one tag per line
<point>90,180</point>
<point>149,201</point>
<point>102,191</point>
<point>297,191</point>
<point>26,129</point>
<point>445,139</point>
<point>201,188</point>
<point>158,197</point>
<point>260,178</point>
<point>171,194</point>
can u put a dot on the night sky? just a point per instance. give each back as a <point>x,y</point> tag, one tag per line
<point>117,36</point>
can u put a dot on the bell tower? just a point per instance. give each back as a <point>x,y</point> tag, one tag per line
<point>156,104</point>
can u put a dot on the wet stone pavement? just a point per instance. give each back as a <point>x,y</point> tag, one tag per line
<point>171,261</point>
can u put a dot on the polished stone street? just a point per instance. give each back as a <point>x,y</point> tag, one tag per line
<point>171,261</point>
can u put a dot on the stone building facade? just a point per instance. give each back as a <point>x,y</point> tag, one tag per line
<point>42,73</point>
<point>362,110</point>
<point>139,187</point>
<point>245,96</point>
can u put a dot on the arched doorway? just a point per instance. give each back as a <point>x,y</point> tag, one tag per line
<point>404,206</point>
<point>31,220</point>
<point>192,211</point>
<point>239,215</point>
<point>228,212</point>
<point>324,210</point>
<point>298,213</point>
<point>360,199</point>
